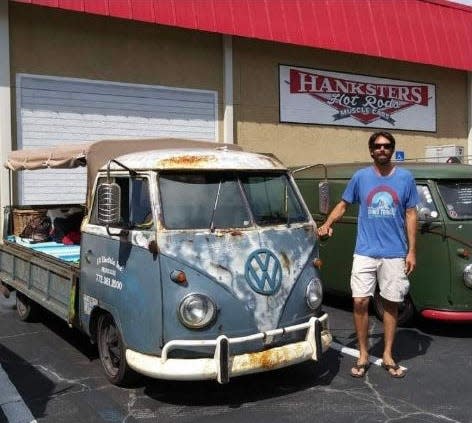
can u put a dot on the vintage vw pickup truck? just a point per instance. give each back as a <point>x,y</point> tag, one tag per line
<point>196,260</point>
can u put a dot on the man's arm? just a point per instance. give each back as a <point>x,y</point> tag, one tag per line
<point>411,220</point>
<point>336,214</point>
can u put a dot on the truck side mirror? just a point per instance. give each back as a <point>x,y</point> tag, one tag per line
<point>109,201</point>
<point>323,194</point>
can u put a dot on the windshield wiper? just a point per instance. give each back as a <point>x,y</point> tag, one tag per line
<point>212,223</point>
<point>286,206</point>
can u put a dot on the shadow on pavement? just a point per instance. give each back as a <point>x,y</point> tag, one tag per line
<point>454,330</point>
<point>247,389</point>
<point>408,344</point>
<point>410,341</point>
<point>33,387</point>
<point>72,336</point>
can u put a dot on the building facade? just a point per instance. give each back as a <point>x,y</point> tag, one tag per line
<point>69,74</point>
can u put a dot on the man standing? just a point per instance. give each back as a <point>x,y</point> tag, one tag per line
<point>385,251</point>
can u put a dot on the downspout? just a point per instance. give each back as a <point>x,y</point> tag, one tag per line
<point>228,117</point>
<point>5,108</point>
<point>469,117</point>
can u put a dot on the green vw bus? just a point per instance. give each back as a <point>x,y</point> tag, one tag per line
<point>441,285</point>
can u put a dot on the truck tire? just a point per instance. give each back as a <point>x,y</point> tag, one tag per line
<point>26,308</point>
<point>406,309</point>
<point>112,352</point>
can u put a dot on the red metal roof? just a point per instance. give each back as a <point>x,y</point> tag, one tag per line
<point>434,32</point>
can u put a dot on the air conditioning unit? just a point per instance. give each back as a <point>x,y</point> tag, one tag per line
<point>441,153</point>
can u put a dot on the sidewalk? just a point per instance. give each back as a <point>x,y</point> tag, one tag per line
<point>11,403</point>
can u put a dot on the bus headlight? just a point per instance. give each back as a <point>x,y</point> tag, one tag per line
<point>197,311</point>
<point>468,276</point>
<point>314,294</point>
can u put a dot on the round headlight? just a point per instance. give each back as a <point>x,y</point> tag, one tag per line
<point>314,294</point>
<point>468,276</point>
<point>197,311</point>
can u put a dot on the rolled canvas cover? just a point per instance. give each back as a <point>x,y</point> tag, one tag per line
<point>59,157</point>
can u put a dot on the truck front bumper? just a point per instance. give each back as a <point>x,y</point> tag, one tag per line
<point>222,366</point>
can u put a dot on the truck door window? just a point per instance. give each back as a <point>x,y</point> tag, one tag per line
<point>198,201</point>
<point>457,198</point>
<point>140,210</point>
<point>136,210</point>
<point>272,199</point>
<point>426,206</point>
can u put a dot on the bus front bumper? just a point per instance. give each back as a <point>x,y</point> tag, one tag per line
<point>222,366</point>
<point>448,315</point>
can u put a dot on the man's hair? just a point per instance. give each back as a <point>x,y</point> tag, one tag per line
<point>384,134</point>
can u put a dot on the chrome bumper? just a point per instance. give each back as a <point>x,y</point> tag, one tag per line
<point>223,366</point>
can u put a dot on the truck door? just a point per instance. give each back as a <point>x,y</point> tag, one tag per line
<point>119,272</point>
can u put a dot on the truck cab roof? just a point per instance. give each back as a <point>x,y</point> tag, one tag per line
<point>217,158</point>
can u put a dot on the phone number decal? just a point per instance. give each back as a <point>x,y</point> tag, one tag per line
<point>108,269</point>
<point>111,282</point>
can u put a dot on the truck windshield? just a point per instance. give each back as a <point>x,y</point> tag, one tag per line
<point>273,199</point>
<point>221,200</point>
<point>202,200</point>
<point>457,198</point>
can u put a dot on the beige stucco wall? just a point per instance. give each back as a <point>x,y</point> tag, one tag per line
<point>257,104</point>
<point>53,42</point>
<point>47,41</point>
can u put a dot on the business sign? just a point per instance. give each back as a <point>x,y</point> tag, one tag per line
<point>341,99</point>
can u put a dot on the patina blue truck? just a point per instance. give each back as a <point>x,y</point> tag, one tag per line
<point>196,260</point>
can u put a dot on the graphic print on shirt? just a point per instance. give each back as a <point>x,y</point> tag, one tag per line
<point>382,202</point>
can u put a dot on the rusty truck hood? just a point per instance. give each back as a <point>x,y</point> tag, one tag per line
<point>259,267</point>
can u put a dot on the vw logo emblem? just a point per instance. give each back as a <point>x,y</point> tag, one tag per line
<point>263,272</point>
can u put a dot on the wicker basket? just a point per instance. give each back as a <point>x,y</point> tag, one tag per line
<point>21,217</point>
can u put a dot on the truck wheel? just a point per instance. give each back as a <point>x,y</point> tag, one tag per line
<point>112,352</point>
<point>406,309</point>
<point>26,308</point>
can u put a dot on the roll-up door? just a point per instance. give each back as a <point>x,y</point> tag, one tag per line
<point>53,110</point>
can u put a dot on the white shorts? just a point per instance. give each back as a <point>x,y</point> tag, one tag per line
<point>389,273</point>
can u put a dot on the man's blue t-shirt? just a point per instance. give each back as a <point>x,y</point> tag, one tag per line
<point>383,201</point>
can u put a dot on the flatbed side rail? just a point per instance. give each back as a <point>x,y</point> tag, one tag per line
<point>49,282</point>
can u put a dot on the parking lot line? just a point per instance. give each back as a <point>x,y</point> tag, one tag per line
<point>13,406</point>
<point>355,353</point>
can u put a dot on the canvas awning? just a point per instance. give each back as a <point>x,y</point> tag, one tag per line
<point>433,32</point>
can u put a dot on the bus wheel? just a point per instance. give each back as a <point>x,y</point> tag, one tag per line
<point>406,309</point>
<point>26,308</point>
<point>112,352</point>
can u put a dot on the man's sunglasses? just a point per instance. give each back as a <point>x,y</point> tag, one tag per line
<point>385,146</point>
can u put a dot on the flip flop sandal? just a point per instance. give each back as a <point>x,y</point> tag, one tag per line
<point>395,367</point>
<point>361,370</point>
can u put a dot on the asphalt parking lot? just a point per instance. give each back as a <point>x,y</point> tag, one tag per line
<point>58,378</point>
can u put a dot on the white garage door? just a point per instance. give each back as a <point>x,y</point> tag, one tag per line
<point>53,111</point>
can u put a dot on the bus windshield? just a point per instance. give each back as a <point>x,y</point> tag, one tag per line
<point>457,198</point>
